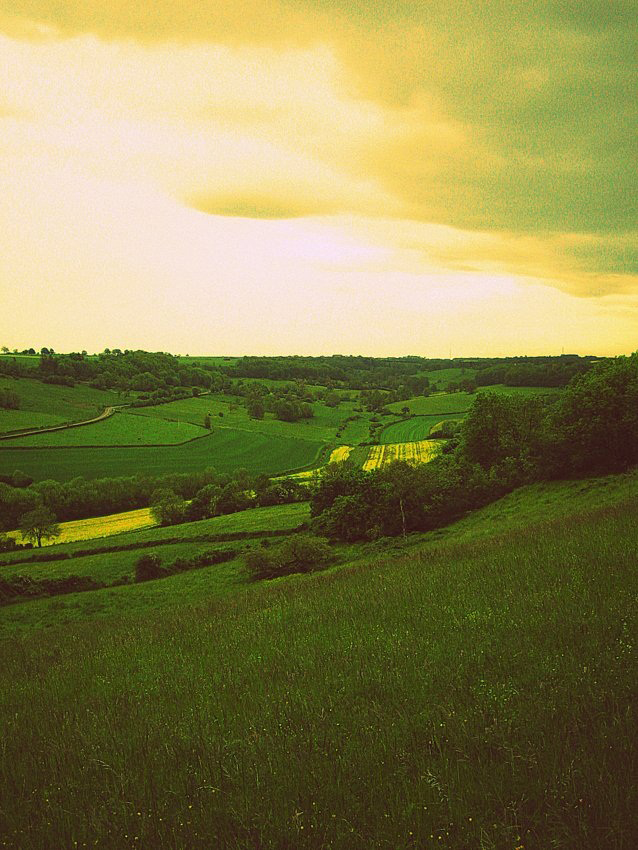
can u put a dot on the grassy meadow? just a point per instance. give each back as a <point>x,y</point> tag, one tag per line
<point>121,429</point>
<point>446,403</point>
<point>472,688</point>
<point>322,427</point>
<point>49,404</point>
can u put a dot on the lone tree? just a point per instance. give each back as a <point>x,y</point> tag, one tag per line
<point>38,525</point>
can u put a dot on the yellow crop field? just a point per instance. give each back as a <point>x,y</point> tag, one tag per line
<point>419,451</point>
<point>100,526</point>
<point>340,454</point>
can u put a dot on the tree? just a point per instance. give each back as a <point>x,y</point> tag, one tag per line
<point>167,507</point>
<point>256,408</point>
<point>207,423</point>
<point>38,525</point>
<point>148,567</point>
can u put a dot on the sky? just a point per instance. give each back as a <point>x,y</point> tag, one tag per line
<point>381,177</point>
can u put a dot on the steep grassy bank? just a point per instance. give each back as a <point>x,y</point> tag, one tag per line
<point>468,694</point>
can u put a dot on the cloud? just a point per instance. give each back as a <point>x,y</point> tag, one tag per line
<point>491,116</point>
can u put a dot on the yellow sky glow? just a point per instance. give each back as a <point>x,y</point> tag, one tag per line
<point>215,190</point>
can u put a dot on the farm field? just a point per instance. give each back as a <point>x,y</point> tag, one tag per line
<point>460,402</point>
<point>253,521</point>
<point>118,430</point>
<point>48,404</point>
<point>420,451</point>
<point>447,666</point>
<point>322,427</point>
<point>417,428</point>
<point>99,526</point>
<point>225,449</point>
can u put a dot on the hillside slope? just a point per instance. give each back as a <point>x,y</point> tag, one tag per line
<point>467,693</point>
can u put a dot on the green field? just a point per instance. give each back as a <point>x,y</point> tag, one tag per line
<point>417,428</point>
<point>445,403</point>
<point>28,360</point>
<point>119,429</point>
<point>443,377</point>
<point>109,566</point>
<point>224,449</point>
<point>474,692</point>
<point>275,518</point>
<point>323,425</point>
<point>47,404</point>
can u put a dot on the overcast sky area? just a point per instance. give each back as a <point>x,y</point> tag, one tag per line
<point>377,177</point>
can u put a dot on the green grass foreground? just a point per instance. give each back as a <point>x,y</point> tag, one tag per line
<point>473,693</point>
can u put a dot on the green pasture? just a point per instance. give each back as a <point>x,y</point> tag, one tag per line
<point>192,360</point>
<point>442,403</point>
<point>225,449</point>
<point>443,377</point>
<point>119,429</point>
<point>137,599</point>
<point>322,427</point>
<point>446,403</point>
<point>109,566</point>
<point>27,360</point>
<point>48,404</point>
<point>474,691</point>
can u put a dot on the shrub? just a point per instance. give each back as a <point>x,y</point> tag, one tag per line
<point>148,567</point>
<point>301,553</point>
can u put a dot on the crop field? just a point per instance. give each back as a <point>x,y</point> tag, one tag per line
<point>417,428</point>
<point>48,404</point>
<point>225,449</point>
<point>211,361</point>
<point>121,429</point>
<point>340,454</point>
<point>420,451</point>
<point>99,526</point>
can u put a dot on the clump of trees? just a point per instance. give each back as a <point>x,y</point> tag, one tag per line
<point>300,553</point>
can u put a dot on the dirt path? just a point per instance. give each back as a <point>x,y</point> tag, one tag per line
<point>108,411</point>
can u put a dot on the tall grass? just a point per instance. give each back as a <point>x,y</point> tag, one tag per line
<point>470,695</point>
